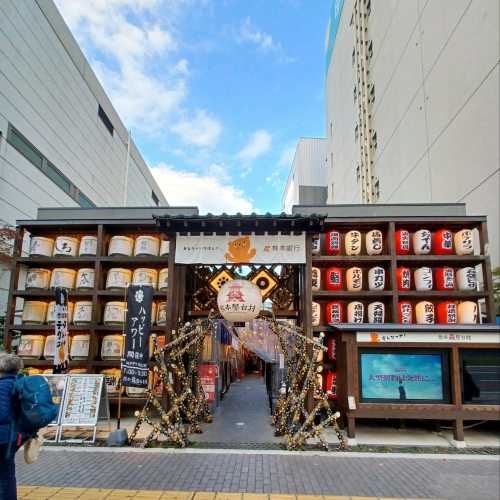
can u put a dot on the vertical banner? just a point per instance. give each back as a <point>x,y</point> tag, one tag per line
<point>61,331</point>
<point>135,361</point>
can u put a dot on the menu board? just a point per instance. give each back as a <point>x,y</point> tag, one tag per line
<point>82,401</point>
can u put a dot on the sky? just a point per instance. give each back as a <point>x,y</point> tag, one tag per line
<point>216,93</point>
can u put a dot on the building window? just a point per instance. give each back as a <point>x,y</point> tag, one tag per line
<point>57,177</point>
<point>16,140</point>
<point>84,202</point>
<point>156,201</point>
<point>105,119</point>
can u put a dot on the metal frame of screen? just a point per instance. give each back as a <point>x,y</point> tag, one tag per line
<point>445,369</point>
<point>479,401</point>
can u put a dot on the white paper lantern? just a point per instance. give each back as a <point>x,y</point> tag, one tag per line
<point>37,279</point>
<point>88,246</point>
<point>423,279</point>
<point>422,242</point>
<point>66,246</point>
<point>316,279</point>
<point>121,245</point>
<point>466,278</point>
<point>316,246</point>
<point>41,247</point>
<point>353,243</point>
<point>239,300</point>
<point>374,242</point>
<point>376,278</point>
<point>118,278</point>
<point>376,312</point>
<point>354,279</point>
<point>316,314</point>
<point>147,245</point>
<point>464,242</point>
<point>355,312</point>
<point>85,279</point>
<point>467,312</point>
<point>424,313</point>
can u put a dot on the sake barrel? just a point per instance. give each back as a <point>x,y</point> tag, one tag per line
<point>80,346</point>
<point>446,312</point>
<point>466,278</point>
<point>315,246</point>
<point>34,312</point>
<point>354,279</point>
<point>316,279</point>
<point>30,370</point>
<point>50,346</point>
<point>442,242</point>
<point>37,279</point>
<point>444,278</point>
<point>353,243</point>
<point>403,276</point>
<point>82,314</point>
<point>118,278</point>
<point>402,237</point>
<point>51,316</point>
<point>78,371</point>
<point>422,242</point>
<point>136,392</point>
<point>31,346</point>
<point>355,312</point>
<point>333,279</point>
<point>316,314</point>
<point>121,245</point>
<point>85,278</point>
<point>147,245</point>
<point>467,312</point>
<point>424,313</point>
<point>111,347</point>
<point>112,381</point>
<point>41,246</point>
<point>374,242</point>
<point>88,246</point>
<point>114,313</point>
<point>332,242</point>
<point>376,312</point>
<point>164,247</point>
<point>163,279</point>
<point>405,312</point>
<point>423,279</point>
<point>376,278</point>
<point>63,277</point>
<point>66,246</point>
<point>145,276</point>
<point>464,242</point>
<point>161,315</point>
<point>334,312</point>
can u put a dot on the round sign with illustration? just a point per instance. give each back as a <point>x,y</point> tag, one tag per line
<point>239,300</point>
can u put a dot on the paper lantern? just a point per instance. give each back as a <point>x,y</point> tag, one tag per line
<point>423,279</point>
<point>376,312</point>
<point>447,313</point>
<point>467,312</point>
<point>41,246</point>
<point>164,247</point>
<point>315,246</point>
<point>424,313</point>
<point>163,279</point>
<point>147,245</point>
<point>355,312</point>
<point>405,313</point>
<point>316,314</point>
<point>403,275</point>
<point>333,279</point>
<point>88,246</point>
<point>118,278</point>
<point>121,245</point>
<point>422,242</point>
<point>51,317</point>
<point>464,242</point>
<point>80,346</point>
<point>376,278</point>
<point>34,312</point>
<point>111,347</point>
<point>466,278</point>
<point>332,243</point>
<point>442,242</point>
<point>145,276</point>
<point>402,237</point>
<point>82,314</point>
<point>161,315</point>
<point>31,346</point>
<point>239,300</point>
<point>353,243</point>
<point>354,278</point>
<point>316,279</point>
<point>334,312</point>
<point>444,278</point>
<point>114,313</point>
<point>66,246</point>
<point>331,384</point>
<point>63,277</point>
<point>332,348</point>
<point>374,242</point>
<point>37,279</point>
<point>85,279</point>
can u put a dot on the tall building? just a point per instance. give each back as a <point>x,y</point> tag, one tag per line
<point>306,184</point>
<point>62,144</point>
<point>412,104</point>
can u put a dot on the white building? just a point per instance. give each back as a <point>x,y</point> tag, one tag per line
<point>412,104</point>
<point>61,141</point>
<point>307,179</point>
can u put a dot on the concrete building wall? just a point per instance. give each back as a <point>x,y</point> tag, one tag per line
<point>435,69</point>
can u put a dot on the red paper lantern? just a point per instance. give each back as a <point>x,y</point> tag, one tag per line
<point>332,243</point>
<point>442,242</point>
<point>404,278</point>
<point>444,278</point>
<point>402,242</point>
<point>332,349</point>
<point>447,312</point>
<point>334,312</point>
<point>405,313</point>
<point>333,279</point>
<point>331,384</point>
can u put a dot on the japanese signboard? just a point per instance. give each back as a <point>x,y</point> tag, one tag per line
<point>429,337</point>
<point>136,354</point>
<point>61,331</point>
<point>255,249</point>
<point>208,375</point>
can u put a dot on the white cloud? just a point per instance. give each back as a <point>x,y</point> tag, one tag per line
<point>201,130</point>
<point>258,144</point>
<point>208,192</point>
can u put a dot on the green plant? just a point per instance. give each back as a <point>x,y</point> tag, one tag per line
<point>496,289</point>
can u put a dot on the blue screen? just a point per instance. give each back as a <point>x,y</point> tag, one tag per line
<point>401,376</point>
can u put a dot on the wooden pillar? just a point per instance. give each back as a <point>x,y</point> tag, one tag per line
<point>456,393</point>
<point>172,293</point>
<point>351,380</point>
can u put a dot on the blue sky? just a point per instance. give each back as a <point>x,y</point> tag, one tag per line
<point>215,92</point>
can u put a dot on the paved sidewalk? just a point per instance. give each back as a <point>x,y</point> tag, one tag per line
<point>348,474</point>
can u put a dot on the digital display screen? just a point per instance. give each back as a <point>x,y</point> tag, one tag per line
<point>481,376</point>
<point>399,377</point>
